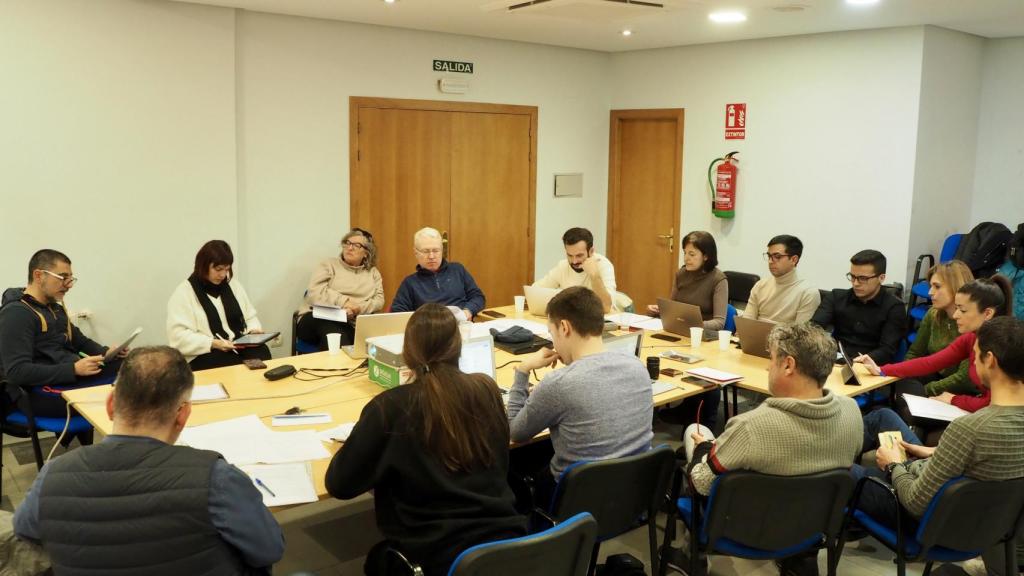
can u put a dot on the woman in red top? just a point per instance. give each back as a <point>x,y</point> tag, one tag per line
<point>976,303</point>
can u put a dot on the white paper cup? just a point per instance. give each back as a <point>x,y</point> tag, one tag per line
<point>334,343</point>
<point>723,339</point>
<point>520,303</point>
<point>696,335</point>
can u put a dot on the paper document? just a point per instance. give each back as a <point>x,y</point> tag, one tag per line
<point>330,313</point>
<point>929,408</point>
<point>300,419</point>
<point>283,484</point>
<point>209,392</point>
<point>635,321</point>
<point>338,433</point>
<point>716,376</point>
<point>659,387</point>
<point>246,440</point>
<point>892,439</point>
<point>459,314</point>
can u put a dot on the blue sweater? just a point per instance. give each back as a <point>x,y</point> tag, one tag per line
<point>451,285</point>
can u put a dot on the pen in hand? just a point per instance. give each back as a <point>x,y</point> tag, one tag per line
<point>84,355</point>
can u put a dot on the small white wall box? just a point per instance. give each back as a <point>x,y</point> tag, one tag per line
<point>453,85</point>
<point>569,185</point>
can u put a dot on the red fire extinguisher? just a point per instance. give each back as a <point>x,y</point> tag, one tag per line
<point>723,187</point>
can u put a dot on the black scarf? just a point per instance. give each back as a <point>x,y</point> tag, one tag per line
<point>232,310</point>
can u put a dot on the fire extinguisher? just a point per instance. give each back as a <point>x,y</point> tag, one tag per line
<point>723,187</point>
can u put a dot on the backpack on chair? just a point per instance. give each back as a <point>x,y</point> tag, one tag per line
<point>984,248</point>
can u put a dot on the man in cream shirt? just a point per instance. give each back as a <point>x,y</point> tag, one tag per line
<point>783,297</point>
<point>585,267</point>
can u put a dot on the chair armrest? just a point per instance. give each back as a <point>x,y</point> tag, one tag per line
<point>413,569</point>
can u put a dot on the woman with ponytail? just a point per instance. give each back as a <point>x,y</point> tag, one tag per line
<point>976,303</point>
<point>435,453</point>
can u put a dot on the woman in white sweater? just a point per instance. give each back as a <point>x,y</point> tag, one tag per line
<point>209,310</point>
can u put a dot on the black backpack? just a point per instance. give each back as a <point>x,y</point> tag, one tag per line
<point>984,248</point>
<point>1015,249</point>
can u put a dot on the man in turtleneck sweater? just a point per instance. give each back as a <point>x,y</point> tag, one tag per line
<point>784,297</point>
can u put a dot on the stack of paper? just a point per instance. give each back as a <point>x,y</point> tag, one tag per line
<point>209,392</point>
<point>339,433</point>
<point>921,407</point>
<point>332,313</point>
<point>719,377</point>
<point>283,484</point>
<point>246,440</point>
<point>635,321</point>
<point>659,387</point>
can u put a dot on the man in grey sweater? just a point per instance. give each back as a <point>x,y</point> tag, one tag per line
<point>802,429</point>
<point>598,406</point>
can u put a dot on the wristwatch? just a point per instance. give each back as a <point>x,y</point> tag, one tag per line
<point>892,466</point>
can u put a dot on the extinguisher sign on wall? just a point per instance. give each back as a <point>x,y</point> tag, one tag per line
<point>735,121</point>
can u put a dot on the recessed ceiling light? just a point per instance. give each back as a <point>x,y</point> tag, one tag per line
<point>727,17</point>
<point>627,32</point>
<point>861,2</point>
<point>389,1</point>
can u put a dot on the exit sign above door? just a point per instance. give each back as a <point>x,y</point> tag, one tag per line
<point>453,66</point>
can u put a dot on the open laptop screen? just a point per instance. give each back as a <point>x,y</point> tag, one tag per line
<point>478,356</point>
<point>626,343</point>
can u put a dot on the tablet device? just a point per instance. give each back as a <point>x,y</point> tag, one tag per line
<point>113,352</point>
<point>255,339</point>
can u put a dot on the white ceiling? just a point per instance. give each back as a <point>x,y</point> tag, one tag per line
<point>596,24</point>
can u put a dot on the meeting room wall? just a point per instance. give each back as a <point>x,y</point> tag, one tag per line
<point>295,77</point>
<point>117,147</point>
<point>951,79</point>
<point>829,151</point>
<point>999,172</point>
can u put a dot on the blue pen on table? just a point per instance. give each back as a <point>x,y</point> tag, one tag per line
<point>265,487</point>
<point>84,355</point>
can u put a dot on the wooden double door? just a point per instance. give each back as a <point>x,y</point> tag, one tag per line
<point>466,169</point>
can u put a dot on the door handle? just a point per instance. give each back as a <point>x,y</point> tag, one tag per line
<point>671,237</point>
<point>444,245</point>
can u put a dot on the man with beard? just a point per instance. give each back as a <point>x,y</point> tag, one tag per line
<point>585,267</point>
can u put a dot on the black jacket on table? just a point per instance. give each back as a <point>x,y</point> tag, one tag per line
<point>30,356</point>
<point>874,327</point>
<point>433,514</point>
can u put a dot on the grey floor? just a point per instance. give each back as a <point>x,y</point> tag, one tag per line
<point>331,537</point>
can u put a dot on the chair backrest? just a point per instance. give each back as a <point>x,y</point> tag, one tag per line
<point>616,491</point>
<point>776,512</point>
<point>563,550</point>
<point>730,318</point>
<point>971,515</point>
<point>740,284</point>
<point>949,247</point>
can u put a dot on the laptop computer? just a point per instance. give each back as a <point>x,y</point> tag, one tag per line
<point>537,299</point>
<point>679,317</point>
<point>370,325</point>
<point>478,356</point>
<point>849,375</point>
<point>753,336</point>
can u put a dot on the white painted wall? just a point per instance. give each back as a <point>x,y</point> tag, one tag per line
<point>999,174</point>
<point>295,77</point>
<point>117,147</point>
<point>946,139</point>
<point>829,154</point>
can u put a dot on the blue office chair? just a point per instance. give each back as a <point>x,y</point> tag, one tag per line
<point>919,285</point>
<point>562,550</point>
<point>18,421</point>
<point>300,346</point>
<point>760,517</point>
<point>730,318</point>
<point>963,519</point>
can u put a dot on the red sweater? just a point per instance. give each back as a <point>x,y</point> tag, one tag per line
<point>958,350</point>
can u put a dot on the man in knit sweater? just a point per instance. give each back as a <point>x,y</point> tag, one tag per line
<point>802,429</point>
<point>783,297</point>
<point>985,445</point>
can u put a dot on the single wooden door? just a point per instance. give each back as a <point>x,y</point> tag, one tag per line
<point>490,218</point>
<point>402,182</point>
<point>644,187</point>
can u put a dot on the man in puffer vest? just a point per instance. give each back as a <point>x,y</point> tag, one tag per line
<point>136,503</point>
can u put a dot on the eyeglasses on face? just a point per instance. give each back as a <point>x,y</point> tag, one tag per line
<point>429,251</point>
<point>348,244</point>
<point>64,278</point>
<point>768,256</point>
<point>860,279</point>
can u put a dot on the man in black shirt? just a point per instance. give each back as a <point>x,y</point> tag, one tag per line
<point>867,318</point>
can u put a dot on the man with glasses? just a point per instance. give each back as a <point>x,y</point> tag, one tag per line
<point>40,347</point>
<point>437,280</point>
<point>136,503</point>
<point>865,318</point>
<point>783,297</point>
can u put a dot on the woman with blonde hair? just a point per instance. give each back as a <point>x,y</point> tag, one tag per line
<point>434,452</point>
<point>350,281</point>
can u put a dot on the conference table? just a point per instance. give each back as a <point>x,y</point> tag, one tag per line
<point>343,395</point>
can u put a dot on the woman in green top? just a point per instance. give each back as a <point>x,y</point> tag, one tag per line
<point>938,330</point>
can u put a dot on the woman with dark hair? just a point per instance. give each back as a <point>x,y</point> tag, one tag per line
<point>351,282</point>
<point>434,452</point>
<point>976,303</point>
<point>700,282</point>
<point>209,310</point>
